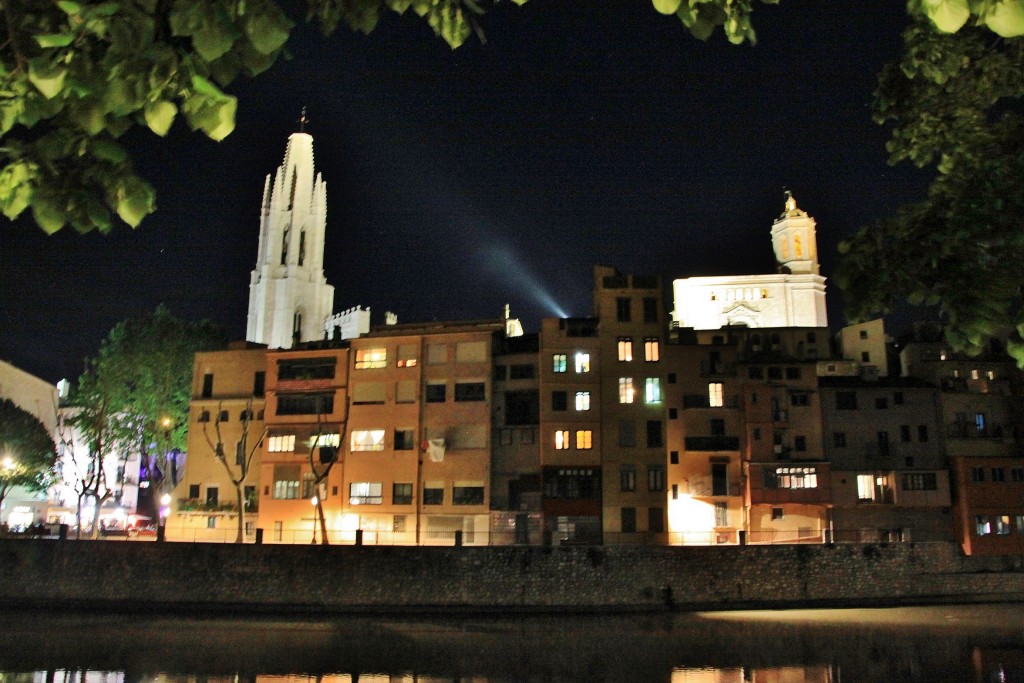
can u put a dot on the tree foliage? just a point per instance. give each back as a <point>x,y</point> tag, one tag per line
<point>28,456</point>
<point>954,103</point>
<point>140,385</point>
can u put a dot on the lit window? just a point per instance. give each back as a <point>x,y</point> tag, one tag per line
<point>625,349</point>
<point>715,394</point>
<point>561,439</point>
<point>791,478</point>
<point>558,362</point>
<point>582,400</point>
<point>286,482</point>
<point>282,443</point>
<point>652,352</point>
<point>407,355</point>
<point>652,390</point>
<point>368,440</point>
<point>371,358</point>
<point>974,374</point>
<point>365,493</point>
<point>990,374</point>
<point>325,440</point>
<point>983,527</point>
<point>582,362</point>
<point>625,390</point>
<point>584,439</point>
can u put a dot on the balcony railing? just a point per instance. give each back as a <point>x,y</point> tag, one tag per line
<point>970,430</point>
<point>703,401</point>
<point>712,443</point>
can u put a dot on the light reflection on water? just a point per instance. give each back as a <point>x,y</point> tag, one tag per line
<point>935,644</point>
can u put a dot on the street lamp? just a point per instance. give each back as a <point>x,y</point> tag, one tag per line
<point>314,500</point>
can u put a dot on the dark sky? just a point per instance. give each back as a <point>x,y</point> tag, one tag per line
<point>581,133</point>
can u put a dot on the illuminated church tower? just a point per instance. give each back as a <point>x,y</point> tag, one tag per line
<point>792,297</point>
<point>289,298</point>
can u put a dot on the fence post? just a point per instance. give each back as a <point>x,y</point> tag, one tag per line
<point>259,536</point>
<point>161,533</point>
<point>743,536</point>
<point>458,538</point>
<point>359,536</point>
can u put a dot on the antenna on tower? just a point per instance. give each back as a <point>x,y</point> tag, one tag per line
<point>302,121</point>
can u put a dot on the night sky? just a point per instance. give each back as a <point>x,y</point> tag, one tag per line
<point>580,133</point>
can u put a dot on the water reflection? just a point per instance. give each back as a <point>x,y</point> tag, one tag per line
<point>981,643</point>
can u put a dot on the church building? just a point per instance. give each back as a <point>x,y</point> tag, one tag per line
<point>794,297</point>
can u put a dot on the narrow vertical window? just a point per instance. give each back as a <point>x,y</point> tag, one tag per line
<point>625,349</point>
<point>715,395</point>
<point>626,390</point>
<point>652,352</point>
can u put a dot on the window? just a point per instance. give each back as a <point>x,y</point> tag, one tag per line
<point>405,391</point>
<point>211,522</point>
<point>863,334</point>
<point>468,493</point>
<point>436,392</point>
<point>839,439</point>
<point>650,309</point>
<point>873,488</point>
<point>193,490</point>
<point>800,443</point>
<point>368,393</point>
<point>719,479</point>
<point>791,478</point>
<point>305,404</point>
<point>881,403</point>
<point>578,483</point>
<point>471,352</point>
<point>622,309</point>
<point>582,400</point>
<point>721,514</point>
<point>559,400</point>
<point>627,478</point>
<point>628,520</point>
<point>656,519</point>
<point>408,355</point>
<point>865,357</point>
<point>846,400</point>
<point>627,434</point>
<point>654,439</point>
<point>1017,474</point>
<point>207,385</point>
<point>365,493</point>
<point>974,374</point>
<point>652,350</point>
<point>625,349</point>
<point>777,514</point>
<point>905,433</point>
<point>715,394</point>
<point>626,390</point>
<point>919,481</point>
<point>371,358</point>
<point>977,474</point>
<point>922,433</point>
<point>897,398</point>
<point>673,413</point>
<point>561,439</point>
<point>671,378</point>
<point>437,354</point>
<point>405,439</point>
<point>500,373</point>
<point>800,398</point>
<point>717,426</point>
<point>982,525</point>
<point>286,482</point>
<point>523,371</point>
<point>792,373</point>
<point>652,390</point>
<point>582,362</point>
<point>471,391</point>
<point>755,372</point>
<point>433,493</point>
<point>1003,525</point>
<point>258,383</point>
<point>584,439</point>
<point>223,416</point>
<point>673,457</point>
<point>281,443</point>
<point>367,440</point>
<point>998,474</point>
<point>774,372</point>
<point>401,494</point>
<point>558,362</point>
<point>655,477</point>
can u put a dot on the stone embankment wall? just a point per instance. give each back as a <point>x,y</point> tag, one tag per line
<point>322,579</point>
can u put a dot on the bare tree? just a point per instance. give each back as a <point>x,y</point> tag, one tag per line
<point>322,457</point>
<point>239,472</point>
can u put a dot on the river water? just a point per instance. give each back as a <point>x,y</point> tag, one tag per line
<point>955,643</point>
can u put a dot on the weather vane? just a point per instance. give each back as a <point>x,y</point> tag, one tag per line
<point>302,121</point>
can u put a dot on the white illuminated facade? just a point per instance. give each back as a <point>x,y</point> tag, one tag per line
<point>794,297</point>
<point>289,298</point>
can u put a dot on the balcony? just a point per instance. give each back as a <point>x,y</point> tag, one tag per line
<point>970,430</point>
<point>703,401</point>
<point>712,443</point>
<point>717,369</point>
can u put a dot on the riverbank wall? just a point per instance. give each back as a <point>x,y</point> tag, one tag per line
<point>183,577</point>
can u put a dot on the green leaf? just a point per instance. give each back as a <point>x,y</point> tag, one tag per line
<point>214,41</point>
<point>269,30</point>
<point>160,116</point>
<point>134,201</point>
<point>16,188</point>
<point>69,7</point>
<point>54,39</point>
<point>224,120</point>
<point>1006,18</point>
<point>666,6</point>
<point>206,88</point>
<point>47,77</point>
<point>947,15</point>
<point>48,215</point>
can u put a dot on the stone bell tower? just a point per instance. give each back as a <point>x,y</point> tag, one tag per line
<point>289,298</point>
